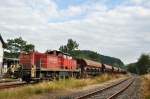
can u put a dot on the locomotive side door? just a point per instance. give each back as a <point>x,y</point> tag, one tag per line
<point>33,71</point>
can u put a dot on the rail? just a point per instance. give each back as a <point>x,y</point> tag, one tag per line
<point>11,85</point>
<point>103,89</point>
<point>120,91</point>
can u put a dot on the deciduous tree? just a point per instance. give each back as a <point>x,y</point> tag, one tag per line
<point>15,46</point>
<point>143,64</point>
<point>70,46</point>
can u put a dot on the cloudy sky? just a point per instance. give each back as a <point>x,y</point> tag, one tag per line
<point>118,28</point>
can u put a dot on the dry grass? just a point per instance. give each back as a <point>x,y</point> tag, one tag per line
<point>146,86</point>
<point>45,87</point>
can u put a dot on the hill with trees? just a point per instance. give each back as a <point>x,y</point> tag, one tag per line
<point>72,48</point>
<point>97,57</point>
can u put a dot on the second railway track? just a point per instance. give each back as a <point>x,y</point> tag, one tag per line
<point>15,84</point>
<point>109,92</point>
<point>2,87</point>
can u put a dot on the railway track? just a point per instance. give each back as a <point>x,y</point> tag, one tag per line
<point>2,87</point>
<point>6,81</point>
<point>14,84</point>
<point>109,92</point>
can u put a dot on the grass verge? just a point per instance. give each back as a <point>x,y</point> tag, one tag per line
<point>146,86</point>
<point>45,87</point>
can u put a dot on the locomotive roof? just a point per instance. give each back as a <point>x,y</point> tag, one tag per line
<point>57,51</point>
<point>3,43</point>
<point>92,63</point>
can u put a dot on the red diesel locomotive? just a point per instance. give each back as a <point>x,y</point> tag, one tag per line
<point>56,64</point>
<point>49,65</point>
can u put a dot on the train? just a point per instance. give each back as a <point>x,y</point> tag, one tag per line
<point>57,65</point>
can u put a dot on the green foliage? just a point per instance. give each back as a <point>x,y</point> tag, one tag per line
<point>70,46</point>
<point>15,46</point>
<point>142,66</point>
<point>28,48</point>
<point>132,68</point>
<point>85,54</point>
<point>63,48</point>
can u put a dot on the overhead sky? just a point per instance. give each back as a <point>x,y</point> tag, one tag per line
<point>118,28</point>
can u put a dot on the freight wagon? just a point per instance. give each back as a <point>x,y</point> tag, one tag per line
<point>89,67</point>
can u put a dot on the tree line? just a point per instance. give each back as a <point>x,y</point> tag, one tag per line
<point>142,66</point>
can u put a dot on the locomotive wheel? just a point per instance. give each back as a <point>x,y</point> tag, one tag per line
<point>26,79</point>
